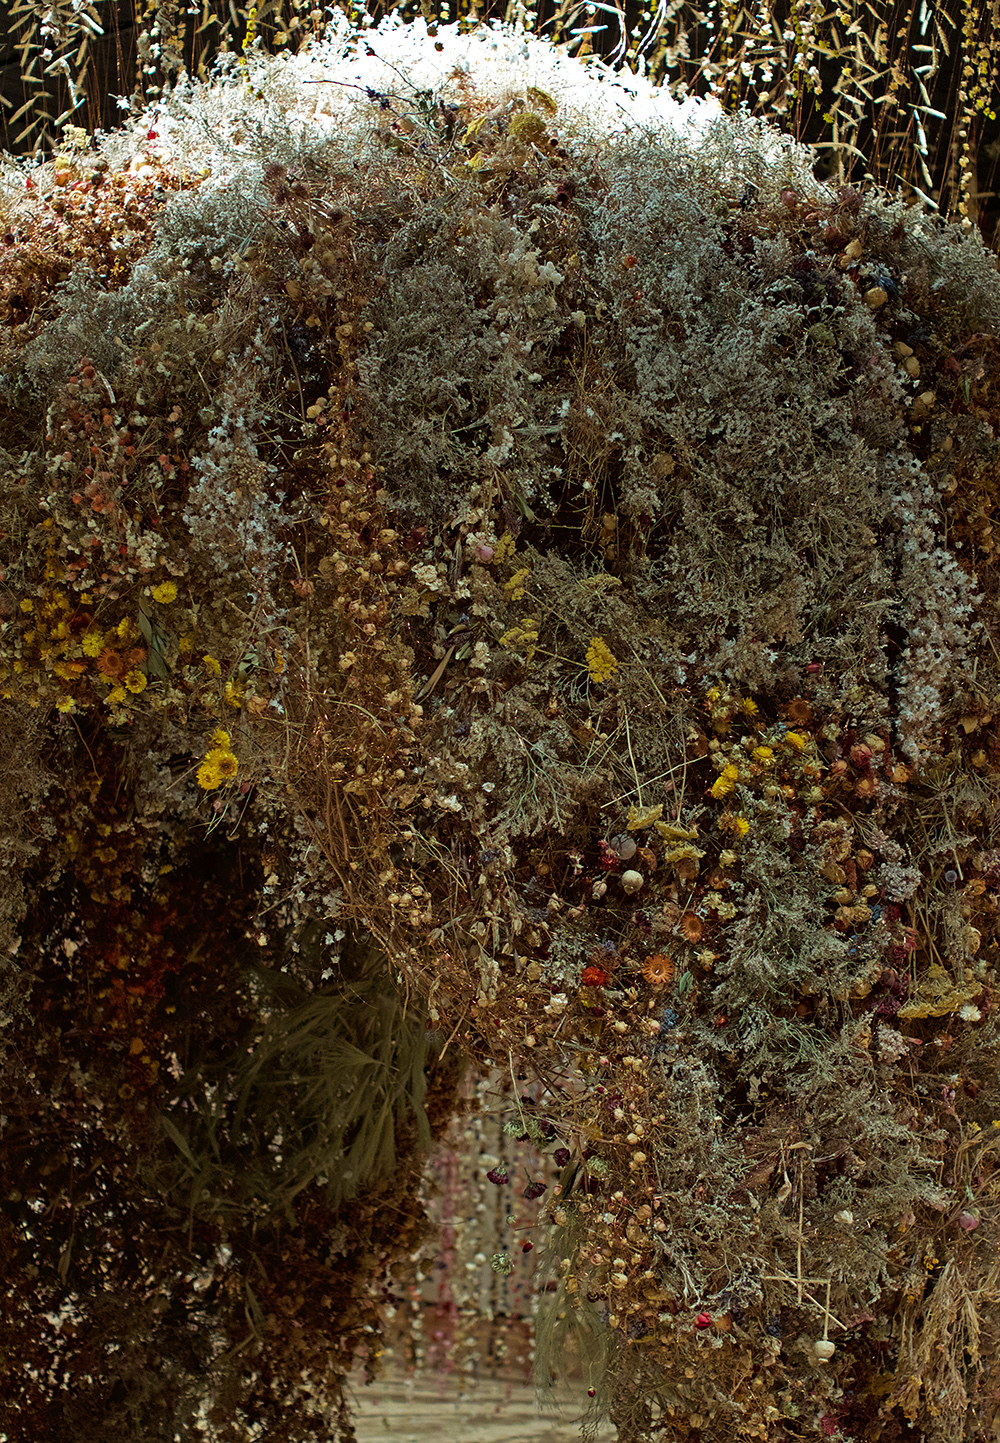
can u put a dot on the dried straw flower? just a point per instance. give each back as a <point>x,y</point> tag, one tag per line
<point>692,927</point>
<point>658,970</point>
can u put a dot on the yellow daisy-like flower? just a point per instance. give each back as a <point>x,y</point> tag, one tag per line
<point>65,703</point>
<point>219,766</point>
<point>165,592</point>
<point>211,665</point>
<point>741,826</point>
<point>135,680</point>
<point>796,740</point>
<point>601,661</point>
<point>116,695</point>
<point>234,694</point>
<point>725,782</point>
<point>209,776</point>
<point>749,707</point>
<point>27,604</point>
<point>91,643</point>
<point>221,739</point>
<point>764,755</point>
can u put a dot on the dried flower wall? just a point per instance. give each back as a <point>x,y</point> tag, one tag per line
<point>498,570</point>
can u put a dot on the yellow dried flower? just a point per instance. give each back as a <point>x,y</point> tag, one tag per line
<point>65,703</point>
<point>504,547</point>
<point>211,665</point>
<point>219,765</point>
<point>165,592</point>
<point>116,695</point>
<point>523,637</point>
<point>515,586</point>
<point>209,776</point>
<point>764,755</point>
<point>27,604</point>
<point>227,764</point>
<point>221,739</point>
<point>749,707</point>
<point>796,740</point>
<point>68,670</point>
<point>601,663</point>
<point>135,681</point>
<point>725,782</point>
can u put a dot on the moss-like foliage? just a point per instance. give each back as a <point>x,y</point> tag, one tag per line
<point>502,560</point>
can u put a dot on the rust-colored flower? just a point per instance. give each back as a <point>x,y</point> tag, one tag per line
<point>111,663</point>
<point>659,970</point>
<point>691,926</point>
<point>798,711</point>
<point>594,977</point>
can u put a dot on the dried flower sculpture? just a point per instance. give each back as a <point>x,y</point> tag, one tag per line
<point>423,459</point>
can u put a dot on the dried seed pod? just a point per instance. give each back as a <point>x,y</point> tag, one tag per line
<point>824,1350</point>
<point>625,846</point>
<point>632,882</point>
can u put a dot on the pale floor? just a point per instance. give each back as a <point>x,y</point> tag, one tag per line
<point>390,1411</point>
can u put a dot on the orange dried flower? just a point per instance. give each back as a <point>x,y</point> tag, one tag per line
<point>111,663</point>
<point>692,927</point>
<point>659,970</point>
<point>594,977</point>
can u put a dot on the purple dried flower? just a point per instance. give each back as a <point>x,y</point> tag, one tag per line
<point>499,1175</point>
<point>561,1156</point>
<point>533,1190</point>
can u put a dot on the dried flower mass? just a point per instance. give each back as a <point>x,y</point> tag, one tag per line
<point>409,485</point>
